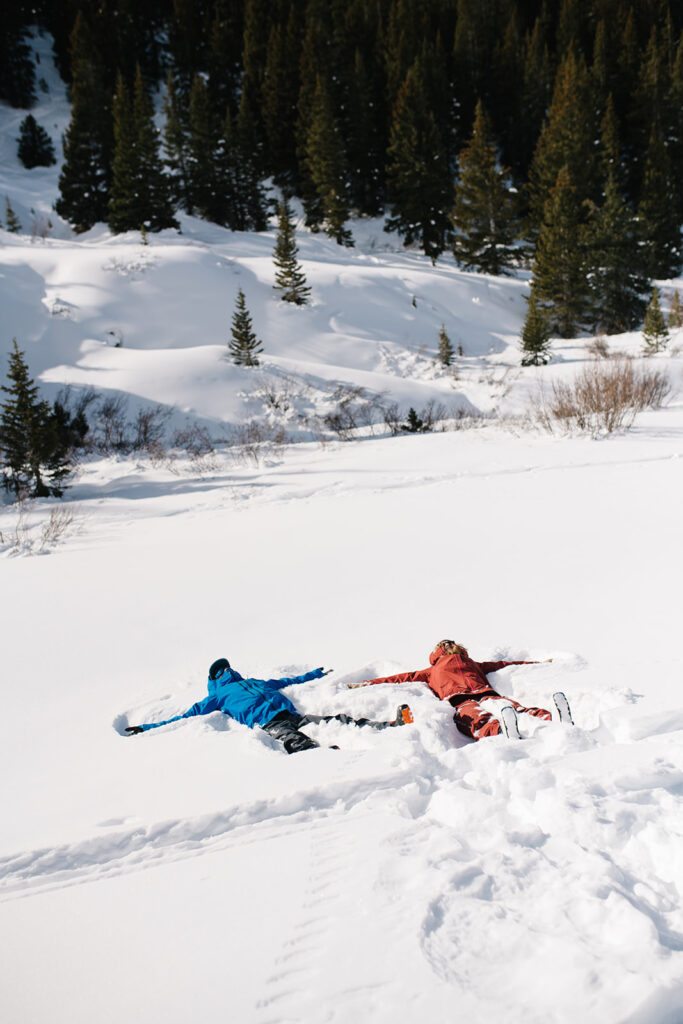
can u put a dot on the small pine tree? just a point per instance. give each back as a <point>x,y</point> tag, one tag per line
<point>13,224</point>
<point>676,311</point>
<point>446,351</point>
<point>245,346</point>
<point>35,145</point>
<point>35,459</point>
<point>414,425</point>
<point>655,331</point>
<point>289,277</point>
<point>535,335</point>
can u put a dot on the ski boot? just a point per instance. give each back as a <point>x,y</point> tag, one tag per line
<point>404,715</point>
<point>508,718</point>
<point>563,709</point>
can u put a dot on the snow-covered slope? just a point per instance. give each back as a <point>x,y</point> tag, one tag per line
<point>197,872</point>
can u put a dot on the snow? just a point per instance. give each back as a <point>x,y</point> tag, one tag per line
<point>196,871</point>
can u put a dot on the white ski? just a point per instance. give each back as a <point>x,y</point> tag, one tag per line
<point>563,709</point>
<point>508,717</point>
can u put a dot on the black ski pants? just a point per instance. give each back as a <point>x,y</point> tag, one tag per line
<point>286,728</point>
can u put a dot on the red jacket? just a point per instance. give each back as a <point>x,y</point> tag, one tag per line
<point>452,674</point>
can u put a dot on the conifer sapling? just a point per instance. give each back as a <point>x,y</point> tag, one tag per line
<point>245,346</point>
<point>655,331</point>
<point>446,351</point>
<point>289,277</point>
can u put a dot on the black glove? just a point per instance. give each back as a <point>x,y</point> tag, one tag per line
<point>326,671</point>
<point>133,730</point>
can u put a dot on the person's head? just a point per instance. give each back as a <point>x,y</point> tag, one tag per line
<point>445,647</point>
<point>218,669</point>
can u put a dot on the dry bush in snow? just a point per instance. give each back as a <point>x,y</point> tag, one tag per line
<point>602,398</point>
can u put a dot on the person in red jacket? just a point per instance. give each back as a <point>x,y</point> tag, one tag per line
<point>457,678</point>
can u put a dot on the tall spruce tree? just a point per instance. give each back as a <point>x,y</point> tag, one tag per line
<point>290,279</point>
<point>535,335</point>
<point>658,221</point>
<point>250,199</point>
<point>418,175</point>
<point>655,330</point>
<point>17,70</point>
<point>176,145</point>
<point>34,457</point>
<point>244,347</point>
<point>566,139</point>
<point>88,144</point>
<point>124,212</point>
<point>559,273</point>
<point>203,189</point>
<point>153,185</point>
<point>484,210</point>
<point>616,278</point>
<point>326,165</point>
<point>35,145</point>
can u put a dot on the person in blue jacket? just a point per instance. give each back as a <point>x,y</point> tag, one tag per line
<point>260,702</point>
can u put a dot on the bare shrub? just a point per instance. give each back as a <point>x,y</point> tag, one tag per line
<point>392,418</point>
<point>602,398</point>
<point>598,347</point>
<point>149,429</point>
<point>252,441</point>
<point>56,526</point>
<point>194,440</point>
<point>112,424</point>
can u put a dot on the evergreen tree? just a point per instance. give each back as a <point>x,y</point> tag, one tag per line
<point>559,278</point>
<point>418,175</point>
<point>484,214</point>
<point>655,331</point>
<point>204,133</point>
<point>446,351</point>
<point>676,311</point>
<point>415,424</point>
<point>326,166</point>
<point>176,146</point>
<point>535,335</point>
<point>153,185</point>
<point>659,227</point>
<point>35,145</point>
<point>279,91</point>
<point>617,283</point>
<point>289,276</point>
<point>124,208</point>
<point>536,91</point>
<point>13,224</point>
<point>366,135</point>
<point>34,458</point>
<point>245,346</point>
<point>85,177</point>
<point>566,139</point>
<point>17,70</point>
<point>250,200</point>
<point>224,52</point>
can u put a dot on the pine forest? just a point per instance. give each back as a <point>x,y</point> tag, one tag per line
<point>537,133</point>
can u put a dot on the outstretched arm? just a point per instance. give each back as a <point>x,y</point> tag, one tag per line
<point>420,676</point>
<point>316,673</point>
<point>494,666</point>
<point>202,707</point>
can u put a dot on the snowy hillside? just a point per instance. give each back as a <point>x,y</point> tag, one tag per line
<point>196,872</point>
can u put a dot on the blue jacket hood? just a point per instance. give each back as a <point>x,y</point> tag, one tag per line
<point>228,675</point>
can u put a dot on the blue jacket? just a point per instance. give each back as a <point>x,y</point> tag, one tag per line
<point>249,701</point>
